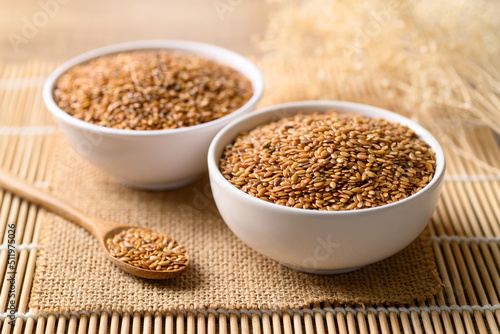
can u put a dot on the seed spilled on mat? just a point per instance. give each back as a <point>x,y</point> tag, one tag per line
<point>147,249</point>
<point>329,161</point>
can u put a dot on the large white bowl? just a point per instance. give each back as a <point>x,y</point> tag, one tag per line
<point>157,159</point>
<point>322,241</point>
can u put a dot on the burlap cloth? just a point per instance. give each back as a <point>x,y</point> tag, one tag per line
<point>72,274</point>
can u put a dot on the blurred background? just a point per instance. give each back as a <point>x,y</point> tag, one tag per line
<point>440,59</point>
<point>60,29</point>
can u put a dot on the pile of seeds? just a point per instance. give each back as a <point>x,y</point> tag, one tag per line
<point>147,249</point>
<point>151,90</point>
<point>329,161</point>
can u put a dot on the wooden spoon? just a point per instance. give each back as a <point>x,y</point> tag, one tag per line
<point>100,229</point>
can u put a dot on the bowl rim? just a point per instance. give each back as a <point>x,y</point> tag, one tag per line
<point>214,172</point>
<point>202,49</point>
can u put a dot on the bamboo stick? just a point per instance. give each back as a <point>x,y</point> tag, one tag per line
<point>330,321</point>
<point>201,327</point>
<point>308,323</point>
<point>372,322</point>
<point>245,328</point>
<point>255,324</point>
<point>51,323</point>
<point>233,324</point>
<point>266,324</point>
<point>72,325</point>
<point>319,323</point>
<point>93,323</point>
<point>179,323</point>
<point>40,325</point>
<point>125,323</point>
<point>28,328</point>
<point>351,322</point>
<point>103,323</point>
<point>361,322</point>
<point>415,320</point>
<point>297,323</point>
<point>405,322</point>
<point>276,323</point>
<point>82,324</point>
<point>222,324</point>
<point>384,325</point>
<point>147,323</point>
<point>212,322</point>
<point>115,320</point>
<point>190,323</point>
<point>6,326</point>
<point>169,324</point>
<point>394,323</point>
<point>61,324</point>
<point>158,323</point>
<point>287,324</point>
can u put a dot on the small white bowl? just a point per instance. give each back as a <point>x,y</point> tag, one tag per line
<point>314,241</point>
<point>156,159</point>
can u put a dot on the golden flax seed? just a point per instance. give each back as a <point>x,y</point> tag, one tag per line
<point>150,249</point>
<point>329,161</point>
<point>151,90</point>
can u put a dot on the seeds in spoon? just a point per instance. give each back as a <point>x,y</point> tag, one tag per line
<point>147,249</point>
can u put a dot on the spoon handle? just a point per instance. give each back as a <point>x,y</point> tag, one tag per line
<point>29,192</point>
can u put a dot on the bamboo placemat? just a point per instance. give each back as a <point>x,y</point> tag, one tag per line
<point>465,229</point>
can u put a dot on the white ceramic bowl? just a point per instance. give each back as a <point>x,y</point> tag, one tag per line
<point>322,241</point>
<point>158,159</point>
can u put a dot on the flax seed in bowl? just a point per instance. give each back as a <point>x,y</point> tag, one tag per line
<point>154,89</point>
<point>145,112</point>
<point>329,161</point>
<point>326,186</point>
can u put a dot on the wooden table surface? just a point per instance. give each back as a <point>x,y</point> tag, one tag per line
<point>60,29</point>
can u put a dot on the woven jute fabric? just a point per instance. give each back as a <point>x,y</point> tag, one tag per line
<point>72,274</point>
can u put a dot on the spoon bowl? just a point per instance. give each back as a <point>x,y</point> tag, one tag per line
<point>102,230</point>
<point>113,229</point>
